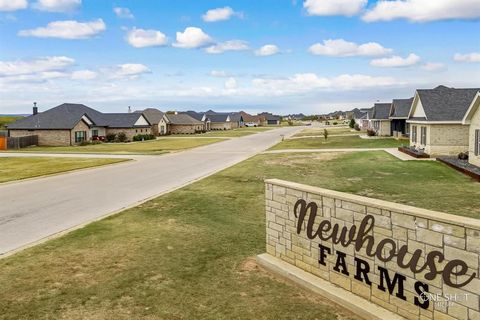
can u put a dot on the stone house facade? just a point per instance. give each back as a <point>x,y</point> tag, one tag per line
<point>472,119</point>
<point>180,123</point>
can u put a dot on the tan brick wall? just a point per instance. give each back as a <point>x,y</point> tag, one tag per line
<point>474,125</point>
<point>81,126</point>
<point>442,139</point>
<point>185,129</point>
<point>455,237</point>
<point>384,128</point>
<point>46,137</point>
<point>130,133</point>
<point>220,126</point>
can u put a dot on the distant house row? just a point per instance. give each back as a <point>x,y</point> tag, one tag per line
<point>440,121</point>
<point>70,124</point>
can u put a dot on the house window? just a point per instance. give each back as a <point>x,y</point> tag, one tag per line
<point>414,134</point>
<point>477,142</point>
<point>423,137</point>
<point>80,136</point>
<point>95,133</point>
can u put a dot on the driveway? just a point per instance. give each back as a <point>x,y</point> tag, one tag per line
<point>37,209</point>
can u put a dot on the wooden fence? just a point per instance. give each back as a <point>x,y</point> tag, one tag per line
<point>21,142</point>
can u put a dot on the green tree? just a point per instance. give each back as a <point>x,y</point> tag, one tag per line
<point>352,123</point>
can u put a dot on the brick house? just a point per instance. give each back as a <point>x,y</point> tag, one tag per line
<point>380,121</point>
<point>180,123</point>
<point>436,120</point>
<point>472,118</point>
<point>398,116</point>
<point>223,120</point>
<point>70,124</point>
<point>153,116</point>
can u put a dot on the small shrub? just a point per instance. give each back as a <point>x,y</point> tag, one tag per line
<point>85,143</point>
<point>111,137</point>
<point>371,133</point>
<point>121,137</point>
<point>335,123</point>
<point>356,127</point>
<point>325,134</point>
<point>352,123</point>
<point>463,156</point>
<point>143,137</point>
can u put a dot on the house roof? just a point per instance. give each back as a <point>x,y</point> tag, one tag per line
<point>219,117</point>
<point>123,120</point>
<point>64,116</point>
<point>269,116</point>
<point>401,108</point>
<point>194,114</point>
<point>357,113</point>
<point>153,115</point>
<point>446,104</point>
<point>381,111</point>
<point>67,115</point>
<point>474,107</point>
<point>181,118</point>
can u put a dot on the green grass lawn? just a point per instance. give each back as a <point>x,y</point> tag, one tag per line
<point>5,120</point>
<point>158,146</point>
<point>189,254</point>
<point>13,168</point>
<point>338,142</point>
<point>319,131</point>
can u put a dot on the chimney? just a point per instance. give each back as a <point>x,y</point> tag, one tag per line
<point>129,109</point>
<point>35,109</point>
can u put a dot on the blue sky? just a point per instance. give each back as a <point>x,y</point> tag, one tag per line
<point>284,56</point>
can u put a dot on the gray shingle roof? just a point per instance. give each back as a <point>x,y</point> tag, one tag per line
<point>181,118</point>
<point>446,104</point>
<point>67,115</point>
<point>122,120</point>
<point>152,115</point>
<point>401,108</point>
<point>218,117</point>
<point>194,114</point>
<point>381,111</point>
<point>64,116</point>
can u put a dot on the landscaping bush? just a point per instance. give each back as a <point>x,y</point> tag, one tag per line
<point>325,134</point>
<point>111,137</point>
<point>356,127</point>
<point>352,123</point>
<point>85,143</point>
<point>335,123</point>
<point>463,156</point>
<point>143,137</point>
<point>121,137</point>
<point>371,133</point>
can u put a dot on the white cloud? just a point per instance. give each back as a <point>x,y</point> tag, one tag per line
<point>334,7</point>
<point>307,82</point>
<point>192,38</point>
<point>220,14</point>
<point>342,48</point>
<point>231,45</point>
<point>57,5</point>
<point>267,50</point>
<point>84,75</point>
<point>396,61</point>
<point>123,13</point>
<point>219,74</point>
<point>467,57</point>
<point>423,10</point>
<point>140,38</point>
<point>69,29</point>
<point>12,5</point>
<point>25,67</point>
<point>129,70</point>
<point>433,66</point>
<point>230,84</point>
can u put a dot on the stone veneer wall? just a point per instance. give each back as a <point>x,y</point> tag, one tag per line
<point>456,237</point>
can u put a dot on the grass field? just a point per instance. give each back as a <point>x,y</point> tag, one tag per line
<point>5,120</point>
<point>158,146</point>
<point>331,131</point>
<point>12,169</point>
<point>189,254</point>
<point>338,142</point>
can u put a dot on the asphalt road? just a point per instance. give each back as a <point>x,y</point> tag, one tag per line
<point>37,209</point>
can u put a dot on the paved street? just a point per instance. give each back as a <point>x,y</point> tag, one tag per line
<point>35,209</point>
